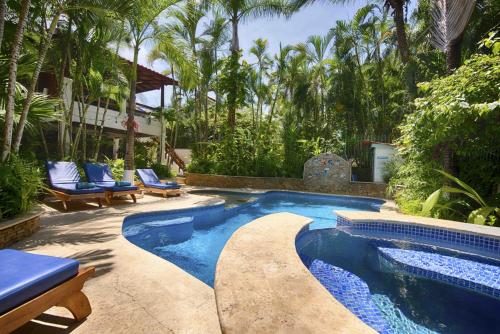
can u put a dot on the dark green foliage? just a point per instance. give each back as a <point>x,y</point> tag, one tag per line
<point>162,171</point>
<point>20,184</point>
<point>459,113</point>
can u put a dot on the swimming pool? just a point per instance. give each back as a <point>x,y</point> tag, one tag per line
<point>194,238</point>
<point>231,198</point>
<point>406,304</point>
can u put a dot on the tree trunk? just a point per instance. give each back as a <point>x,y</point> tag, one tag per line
<point>3,10</point>
<point>235,40</point>
<point>129,152</point>
<point>235,49</point>
<point>454,55</point>
<point>11,88</point>
<point>97,147</point>
<point>404,50</point>
<point>34,81</point>
<point>398,7</point>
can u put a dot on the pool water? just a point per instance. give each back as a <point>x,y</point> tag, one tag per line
<point>231,198</point>
<point>408,304</point>
<point>194,238</point>
<point>197,251</point>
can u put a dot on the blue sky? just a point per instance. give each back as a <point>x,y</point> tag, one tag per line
<point>315,19</point>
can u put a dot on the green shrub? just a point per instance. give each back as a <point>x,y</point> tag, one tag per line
<point>458,114</point>
<point>117,167</point>
<point>162,171</point>
<point>20,184</point>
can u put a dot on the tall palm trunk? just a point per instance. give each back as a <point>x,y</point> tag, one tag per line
<point>3,10</point>
<point>11,88</point>
<point>454,55</point>
<point>404,50</point>
<point>97,147</point>
<point>31,91</point>
<point>129,153</point>
<point>235,49</point>
<point>399,20</point>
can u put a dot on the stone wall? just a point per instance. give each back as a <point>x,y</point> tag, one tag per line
<point>224,181</point>
<point>14,230</point>
<point>282,183</point>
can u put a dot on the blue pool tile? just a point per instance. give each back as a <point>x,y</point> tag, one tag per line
<point>352,292</point>
<point>479,277</point>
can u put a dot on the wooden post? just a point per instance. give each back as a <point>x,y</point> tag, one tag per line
<point>162,132</point>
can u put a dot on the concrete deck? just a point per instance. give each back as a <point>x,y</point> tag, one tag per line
<point>281,295</point>
<point>133,291</point>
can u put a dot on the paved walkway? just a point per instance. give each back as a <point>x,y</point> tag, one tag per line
<point>133,291</point>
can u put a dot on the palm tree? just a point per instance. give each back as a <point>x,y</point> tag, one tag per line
<point>3,11</point>
<point>91,7</point>
<point>236,11</point>
<point>142,23</point>
<point>264,62</point>
<point>11,88</point>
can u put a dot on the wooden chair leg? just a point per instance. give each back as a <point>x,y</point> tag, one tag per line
<point>65,205</point>
<point>133,198</point>
<point>99,202</point>
<point>78,304</point>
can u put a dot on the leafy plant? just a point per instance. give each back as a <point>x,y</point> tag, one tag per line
<point>20,183</point>
<point>485,214</point>
<point>117,167</point>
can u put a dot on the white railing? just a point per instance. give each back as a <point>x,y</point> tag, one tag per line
<point>148,125</point>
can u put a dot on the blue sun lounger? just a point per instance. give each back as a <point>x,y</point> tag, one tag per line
<point>153,184</point>
<point>66,184</point>
<point>101,176</point>
<point>30,284</point>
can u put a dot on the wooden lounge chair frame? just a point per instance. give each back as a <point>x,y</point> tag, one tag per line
<point>64,197</point>
<point>67,294</point>
<point>164,192</point>
<point>112,193</point>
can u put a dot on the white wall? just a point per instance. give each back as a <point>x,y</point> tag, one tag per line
<point>382,154</point>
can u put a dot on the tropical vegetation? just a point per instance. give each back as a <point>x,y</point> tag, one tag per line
<point>424,77</point>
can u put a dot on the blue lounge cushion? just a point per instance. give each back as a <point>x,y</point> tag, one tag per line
<point>62,172</point>
<point>24,276</point>
<point>122,184</point>
<point>150,179</point>
<point>96,172</point>
<point>70,188</point>
<point>111,186</point>
<point>163,186</point>
<point>85,185</point>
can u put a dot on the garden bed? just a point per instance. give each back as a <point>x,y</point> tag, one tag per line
<point>18,228</point>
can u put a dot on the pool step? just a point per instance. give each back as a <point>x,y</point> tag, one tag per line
<point>470,275</point>
<point>352,292</point>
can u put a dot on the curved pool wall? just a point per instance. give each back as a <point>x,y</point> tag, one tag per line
<point>411,297</point>
<point>192,238</point>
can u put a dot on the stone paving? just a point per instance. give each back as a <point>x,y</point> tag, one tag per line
<point>133,291</point>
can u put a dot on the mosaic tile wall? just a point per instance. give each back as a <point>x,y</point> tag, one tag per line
<point>417,233</point>
<point>352,292</point>
<point>479,277</point>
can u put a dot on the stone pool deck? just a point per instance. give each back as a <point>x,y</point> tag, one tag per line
<point>133,291</point>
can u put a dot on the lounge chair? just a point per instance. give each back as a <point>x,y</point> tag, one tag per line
<point>153,184</point>
<point>30,284</point>
<point>101,176</point>
<point>65,182</point>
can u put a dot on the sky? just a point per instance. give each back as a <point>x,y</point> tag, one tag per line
<point>316,19</point>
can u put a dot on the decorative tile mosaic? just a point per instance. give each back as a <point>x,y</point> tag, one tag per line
<point>470,275</point>
<point>418,233</point>
<point>352,292</point>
